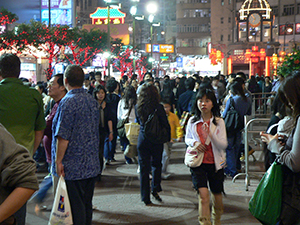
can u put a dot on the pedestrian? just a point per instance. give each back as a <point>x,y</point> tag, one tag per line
<point>176,135</point>
<point>21,111</point>
<point>184,100</point>
<point>207,130</point>
<point>289,154</point>
<point>126,108</point>
<point>75,145</point>
<point>242,105</point>
<point>149,153</point>
<point>112,98</point>
<point>105,124</point>
<point>57,91</point>
<point>17,178</point>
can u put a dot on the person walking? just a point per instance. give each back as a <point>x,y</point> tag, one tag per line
<point>207,130</point>
<point>149,153</point>
<point>75,145</point>
<point>21,111</point>
<point>242,105</point>
<point>105,125</point>
<point>288,153</point>
<point>126,108</point>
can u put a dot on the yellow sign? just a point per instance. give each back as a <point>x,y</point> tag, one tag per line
<point>160,48</point>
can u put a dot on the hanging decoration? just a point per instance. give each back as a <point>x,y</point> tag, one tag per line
<point>216,56</point>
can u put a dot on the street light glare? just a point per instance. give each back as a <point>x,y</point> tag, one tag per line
<point>152,7</point>
<point>133,10</point>
<point>151,18</point>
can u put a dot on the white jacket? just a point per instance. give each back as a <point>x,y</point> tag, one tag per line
<point>123,113</point>
<point>218,139</point>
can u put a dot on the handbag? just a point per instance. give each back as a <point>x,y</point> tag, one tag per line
<point>132,132</point>
<point>154,131</point>
<point>193,158</point>
<point>233,121</point>
<point>61,210</point>
<point>121,124</point>
<point>265,204</point>
<point>131,151</point>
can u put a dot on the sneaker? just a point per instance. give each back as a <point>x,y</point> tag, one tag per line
<point>107,162</point>
<point>249,153</point>
<point>165,176</point>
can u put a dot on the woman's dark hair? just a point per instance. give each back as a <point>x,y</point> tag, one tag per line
<point>157,82</point>
<point>97,89</point>
<point>289,92</point>
<point>209,94</point>
<point>167,88</point>
<point>236,88</point>
<point>130,96</point>
<point>147,101</point>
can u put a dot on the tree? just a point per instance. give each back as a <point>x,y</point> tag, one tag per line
<point>291,63</point>
<point>85,45</point>
<point>7,17</point>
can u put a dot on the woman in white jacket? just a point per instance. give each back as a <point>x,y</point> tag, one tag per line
<point>207,130</point>
<point>127,106</point>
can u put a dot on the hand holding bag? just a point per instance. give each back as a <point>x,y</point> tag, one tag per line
<point>61,210</point>
<point>193,158</point>
<point>265,204</point>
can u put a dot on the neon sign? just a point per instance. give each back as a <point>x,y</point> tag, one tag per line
<point>100,16</point>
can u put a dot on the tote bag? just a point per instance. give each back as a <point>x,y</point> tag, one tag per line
<point>61,210</point>
<point>265,204</point>
<point>193,158</point>
<point>132,132</point>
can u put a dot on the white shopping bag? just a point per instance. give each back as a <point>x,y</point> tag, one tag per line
<point>132,132</point>
<point>61,210</point>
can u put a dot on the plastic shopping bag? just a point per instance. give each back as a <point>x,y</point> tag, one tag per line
<point>61,210</point>
<point>132,132</point>
<point>265,204</point>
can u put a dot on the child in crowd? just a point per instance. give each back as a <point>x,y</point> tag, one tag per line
<point>176,134</point>
<point>206,130</point>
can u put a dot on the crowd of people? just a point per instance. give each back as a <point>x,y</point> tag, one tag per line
<point>72,120</point>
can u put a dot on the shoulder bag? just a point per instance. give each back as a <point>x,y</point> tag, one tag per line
<point>121,124</point>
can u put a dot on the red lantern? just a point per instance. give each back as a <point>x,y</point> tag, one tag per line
<point>248,54</point>
<point>262,54</point>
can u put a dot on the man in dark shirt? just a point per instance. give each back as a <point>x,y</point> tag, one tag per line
<point>183,103</point>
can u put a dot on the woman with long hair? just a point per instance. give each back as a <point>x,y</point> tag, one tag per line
<point>207,130</point>
<point>149,153</point>
<point>289,153</point>
<point>167,94</point>
<point>126,108</point>
<point>243,106</point>
<point>105,126</point>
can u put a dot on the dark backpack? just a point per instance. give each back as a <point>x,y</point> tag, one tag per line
<point>154,131</point>
<point>233,121</point>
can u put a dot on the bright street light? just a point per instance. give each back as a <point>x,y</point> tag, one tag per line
<point>152,7</point>
<point>133,10</point>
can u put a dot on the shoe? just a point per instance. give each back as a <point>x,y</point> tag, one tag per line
<point>165,176</point>
<point>107,162</point>
<point>129,162</point>
<point>148,203</point>
<point>156,196</point>
<point>113,160</point>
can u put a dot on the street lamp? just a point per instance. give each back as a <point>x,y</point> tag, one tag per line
<point>286,29</point>
<point>152,9</point>
<point>109,4</point>
<point>133,11</point>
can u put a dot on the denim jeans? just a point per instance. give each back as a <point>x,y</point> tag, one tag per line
<point>232,153</point>
<point>110,147</point>
<point>150,156</point>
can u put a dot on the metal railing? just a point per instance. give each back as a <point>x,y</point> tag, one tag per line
<point>259,104</point>
<point>246,153</point>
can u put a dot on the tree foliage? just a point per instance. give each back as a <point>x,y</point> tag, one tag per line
<point>291,63</point>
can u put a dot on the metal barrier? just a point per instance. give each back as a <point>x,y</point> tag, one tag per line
<point>261,103</point>
<point>246,173</point>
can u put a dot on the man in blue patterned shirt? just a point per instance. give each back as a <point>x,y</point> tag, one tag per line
<point>75,145</point>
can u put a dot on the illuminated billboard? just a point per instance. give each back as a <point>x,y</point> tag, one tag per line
<point>160,48</point>
<point>61,12</point>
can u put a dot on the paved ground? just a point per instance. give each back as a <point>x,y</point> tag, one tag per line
<point>118,201</point>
